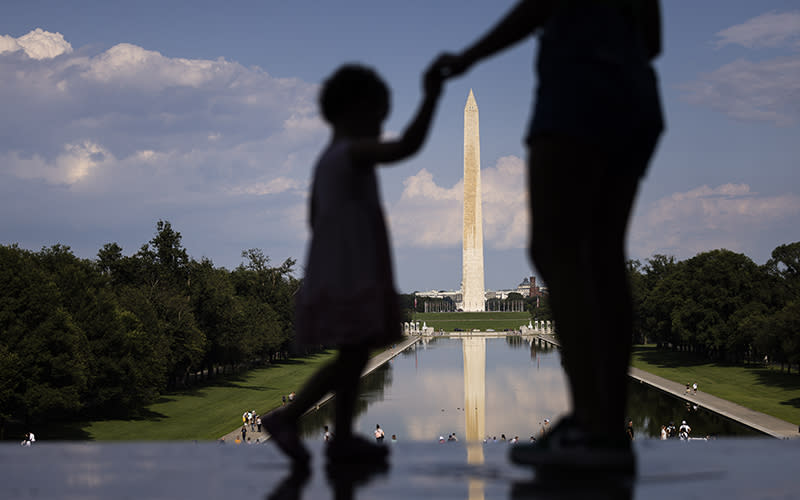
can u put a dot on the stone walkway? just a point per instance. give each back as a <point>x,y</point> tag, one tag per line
<point>372,364</point>
<point>730,469</point>
<point>760,421</point>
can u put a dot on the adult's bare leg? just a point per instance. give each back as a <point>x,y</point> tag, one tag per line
<point>579,217</point>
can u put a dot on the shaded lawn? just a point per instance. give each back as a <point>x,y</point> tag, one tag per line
<point>767,390</point>
<point>210,411</point>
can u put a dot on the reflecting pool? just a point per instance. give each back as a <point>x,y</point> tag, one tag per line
<point>492,387</point>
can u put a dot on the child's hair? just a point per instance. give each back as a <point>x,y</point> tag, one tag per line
<point>352,88</point>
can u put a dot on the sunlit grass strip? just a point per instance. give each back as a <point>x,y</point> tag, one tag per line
<point>209,412</point>
<point>767,390</point>
<point>483,321</point>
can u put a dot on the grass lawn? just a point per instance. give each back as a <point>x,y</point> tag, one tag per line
<point>449,321</point>
<point>767,390</point>
<point>211,411</point>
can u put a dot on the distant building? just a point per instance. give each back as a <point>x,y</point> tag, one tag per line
<point>451,300</point>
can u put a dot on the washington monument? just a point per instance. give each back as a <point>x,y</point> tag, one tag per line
<point>472,256</point>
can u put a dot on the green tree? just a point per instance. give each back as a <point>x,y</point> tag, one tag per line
<point>275,287</point>
<point>699,303</point>
<point>11,382</point>
<point>40,336</point>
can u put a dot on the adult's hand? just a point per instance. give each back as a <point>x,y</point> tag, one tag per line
<point>450,65</point>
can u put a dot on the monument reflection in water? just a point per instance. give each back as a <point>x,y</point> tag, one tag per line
<point>474,350</point>
<point>481,388</point>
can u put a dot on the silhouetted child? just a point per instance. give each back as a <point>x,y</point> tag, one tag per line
<point>348,297</point>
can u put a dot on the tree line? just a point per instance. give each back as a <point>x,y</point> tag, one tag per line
<point>721,305</point>
<point>105,337</point>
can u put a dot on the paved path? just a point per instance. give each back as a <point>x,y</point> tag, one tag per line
<point>767,424</point>
<point>372,364</point>
<point>760,421</point>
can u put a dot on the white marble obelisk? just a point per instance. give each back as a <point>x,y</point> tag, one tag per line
<point>472,256</point>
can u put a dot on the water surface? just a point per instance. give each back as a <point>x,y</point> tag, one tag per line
<point>422,394</point>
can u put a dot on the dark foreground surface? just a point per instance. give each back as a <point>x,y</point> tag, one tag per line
<point>729,469</point>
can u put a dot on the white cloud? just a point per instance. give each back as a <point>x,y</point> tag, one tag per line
<point>76,162</point>
<point>129,65</point>
<point>38,44</point>
<point>274,186</point>
<point>763,90</point>
<point>236,122</point>
<point>8,44</point>
<point>136,132</point>
<point>429,215</point>
<point>772,29</point>
<point>729,216</point>
<point>505,204</point>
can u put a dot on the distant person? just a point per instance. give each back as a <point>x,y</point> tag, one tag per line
<point>694,388</point>
<point>629,430</point>
<point>349,244</point>
<point>663,432</point>
<point>326,434</point>
<point>684,430</point>
<point>394,438</point>
<point>379,434</point>
<point>595,125</point>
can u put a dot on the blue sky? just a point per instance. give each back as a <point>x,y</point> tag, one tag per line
<point>118,114</point>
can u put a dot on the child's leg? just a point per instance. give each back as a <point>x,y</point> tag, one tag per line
<point>281,424</point>
<point>342,375</point>
<point>350,365</point>
<point>347,449</point>
<point>319,384</point>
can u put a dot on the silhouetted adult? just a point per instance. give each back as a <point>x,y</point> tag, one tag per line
<point>595,125</point>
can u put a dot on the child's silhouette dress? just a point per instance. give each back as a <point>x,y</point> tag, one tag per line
<point>348,295</point>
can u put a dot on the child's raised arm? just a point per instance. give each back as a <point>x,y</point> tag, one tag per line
<point>373,151</point>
